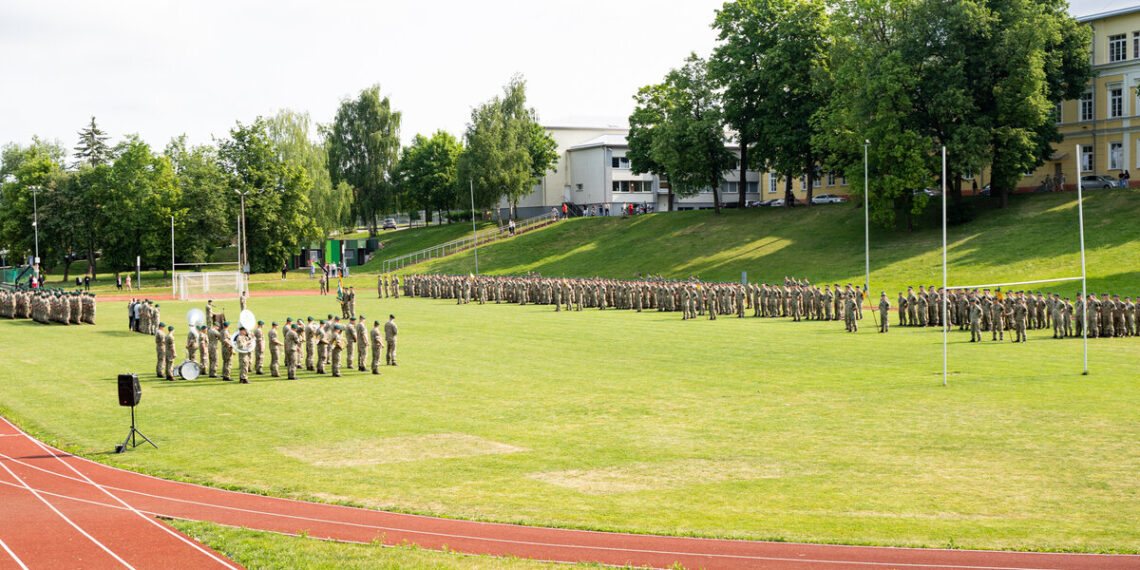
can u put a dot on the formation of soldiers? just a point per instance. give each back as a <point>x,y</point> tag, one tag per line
<point>46,306</point>
<point>996,312</point>
<point>798,299</point>
<point>144,316</point>
<point>387,286</point>
<point>795,299</point>
<point>347,299</point>
<point>323,346</point>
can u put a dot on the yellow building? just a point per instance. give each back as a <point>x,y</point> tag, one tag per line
<point>1104,121</point>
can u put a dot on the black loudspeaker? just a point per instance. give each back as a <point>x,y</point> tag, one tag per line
<point>129,391</point>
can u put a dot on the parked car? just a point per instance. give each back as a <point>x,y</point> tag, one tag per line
<point>1095,181</point>
<point>929,192</point>
<point>388,224</point>
<point>985,191</point>
<point>779,203</point>
<point>828,199</point>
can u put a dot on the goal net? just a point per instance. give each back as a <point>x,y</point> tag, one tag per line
<point>209,285</point>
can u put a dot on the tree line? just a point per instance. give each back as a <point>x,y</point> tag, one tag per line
<point>301,181</point>
<point>803,87</point>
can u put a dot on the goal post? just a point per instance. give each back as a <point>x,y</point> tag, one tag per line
<point>191,285</point>
<point>1083,277</point>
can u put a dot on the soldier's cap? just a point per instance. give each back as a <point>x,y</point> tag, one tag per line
<point>352,318</point>
<point>160,325</point>
<point>261,322</point>
<point>322,321</point>
<point>375,322</point>
<point>289,319</point>
<point>340,327</point>
<point>226,324</point>
<point>209,300</point>
<point>171,327</point>
<point>361,317</point>
<point>330,315</point>
<point>274,323</point>
<point>391,316</point>
<point>310,318</point>
<point>240,328</point>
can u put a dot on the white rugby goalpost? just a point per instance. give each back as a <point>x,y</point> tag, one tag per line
<point>1083,277</point>
<point>189,284</point>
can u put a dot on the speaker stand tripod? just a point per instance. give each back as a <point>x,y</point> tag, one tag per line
<point>131,436</point>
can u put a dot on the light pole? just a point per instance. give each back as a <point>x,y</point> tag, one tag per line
<point>866,219</point>
<point>36,225</point>
<point>474,232</point>
<point>242,257</point>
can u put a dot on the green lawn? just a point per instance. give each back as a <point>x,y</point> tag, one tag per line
<point>744,428</point>
<point>1036,238</point>
<point>265,550</point>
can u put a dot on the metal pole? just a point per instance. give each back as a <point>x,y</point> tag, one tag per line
<point>474,232</point>
<point>36,226</point>
<point>173,285</point>
<point>945,329</point>
<point>244,246</point>
<point>1084,275</point>
<point>866,220</point>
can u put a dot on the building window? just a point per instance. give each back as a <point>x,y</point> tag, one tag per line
<point>753,188</point>
<point>1087,106</point>
<point>843,181</point>
<point>619,162</point>
<point>1087,158</point>
<point>1117,48</point>
<point>773,182</point>
<point>727,187</point>
<point>1115,102</point>
<point>831,179</point>
<point>1058,113</point>
<point>1115,156</point>
<point>1135,45</point>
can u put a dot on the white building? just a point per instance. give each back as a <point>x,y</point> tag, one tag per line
<point>592,170</point>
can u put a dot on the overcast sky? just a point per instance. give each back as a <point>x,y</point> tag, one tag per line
<point>163,68</point>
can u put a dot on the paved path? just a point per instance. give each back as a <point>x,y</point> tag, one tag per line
<point>61,511</point>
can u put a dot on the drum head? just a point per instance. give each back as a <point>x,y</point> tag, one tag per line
<point>189,370</point>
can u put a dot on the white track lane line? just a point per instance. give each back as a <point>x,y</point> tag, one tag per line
<point>13,554</point>
<point>150,520</point>
<point>510,541</point>
<point>64,517</point>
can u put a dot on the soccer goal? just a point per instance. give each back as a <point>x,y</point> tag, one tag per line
<point>946,287</point>
<point>208,285</point>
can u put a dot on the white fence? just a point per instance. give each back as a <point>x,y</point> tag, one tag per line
<point>452,247</point>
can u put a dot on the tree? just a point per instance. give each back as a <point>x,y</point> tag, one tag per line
<point>302,142</point>
<point>428,172</point>
<point>772,59</point>
<point>37,165</point>
<point>136,202</point>
<point>687,141</point>
<point>93,149</point>
<point>646,125</point>
<point>277,214</point>
<point>363,147</point>
<point>205,218</point>
<point>507,150</point>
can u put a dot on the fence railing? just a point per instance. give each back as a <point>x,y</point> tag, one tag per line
<point>456,246</point>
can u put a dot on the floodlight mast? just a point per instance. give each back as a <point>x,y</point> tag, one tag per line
<point>945,328</point>
<point>1084,274</point>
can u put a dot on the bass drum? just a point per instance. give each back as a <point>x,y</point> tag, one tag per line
<point>188,370</point>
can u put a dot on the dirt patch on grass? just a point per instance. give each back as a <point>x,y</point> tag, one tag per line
<point>400,449</point>
<point>658,476</point>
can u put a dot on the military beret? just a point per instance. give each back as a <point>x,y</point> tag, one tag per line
<point>241,328</point>
<point>340,327</point>
<point>391,316</point>
<point>160,325</point>
<point>171,327</point>
<point>352,318</point>
<point>261,322</point>
<point>310,318</point>
<point>289,319</point>
<point>274,323</point>
<point>226,324</point>
<point>361,317</point>
<point>375,322</point>
<point>330,315</point>
<point>322,321</point>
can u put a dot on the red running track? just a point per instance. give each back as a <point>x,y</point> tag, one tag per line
<point>63,511</point>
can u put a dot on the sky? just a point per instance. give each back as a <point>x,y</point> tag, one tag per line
<point>160,68</point>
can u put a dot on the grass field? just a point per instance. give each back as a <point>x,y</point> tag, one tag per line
<point>1035,238</point>
<point>740,428</point>
<point>267,551</point>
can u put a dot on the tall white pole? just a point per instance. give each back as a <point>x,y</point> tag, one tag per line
<point>36,227</point>
<point>866,221</point>
<point>1084,275</point>
<point>945,329</point>
<point>173,285</point>
<point>474,232</point>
